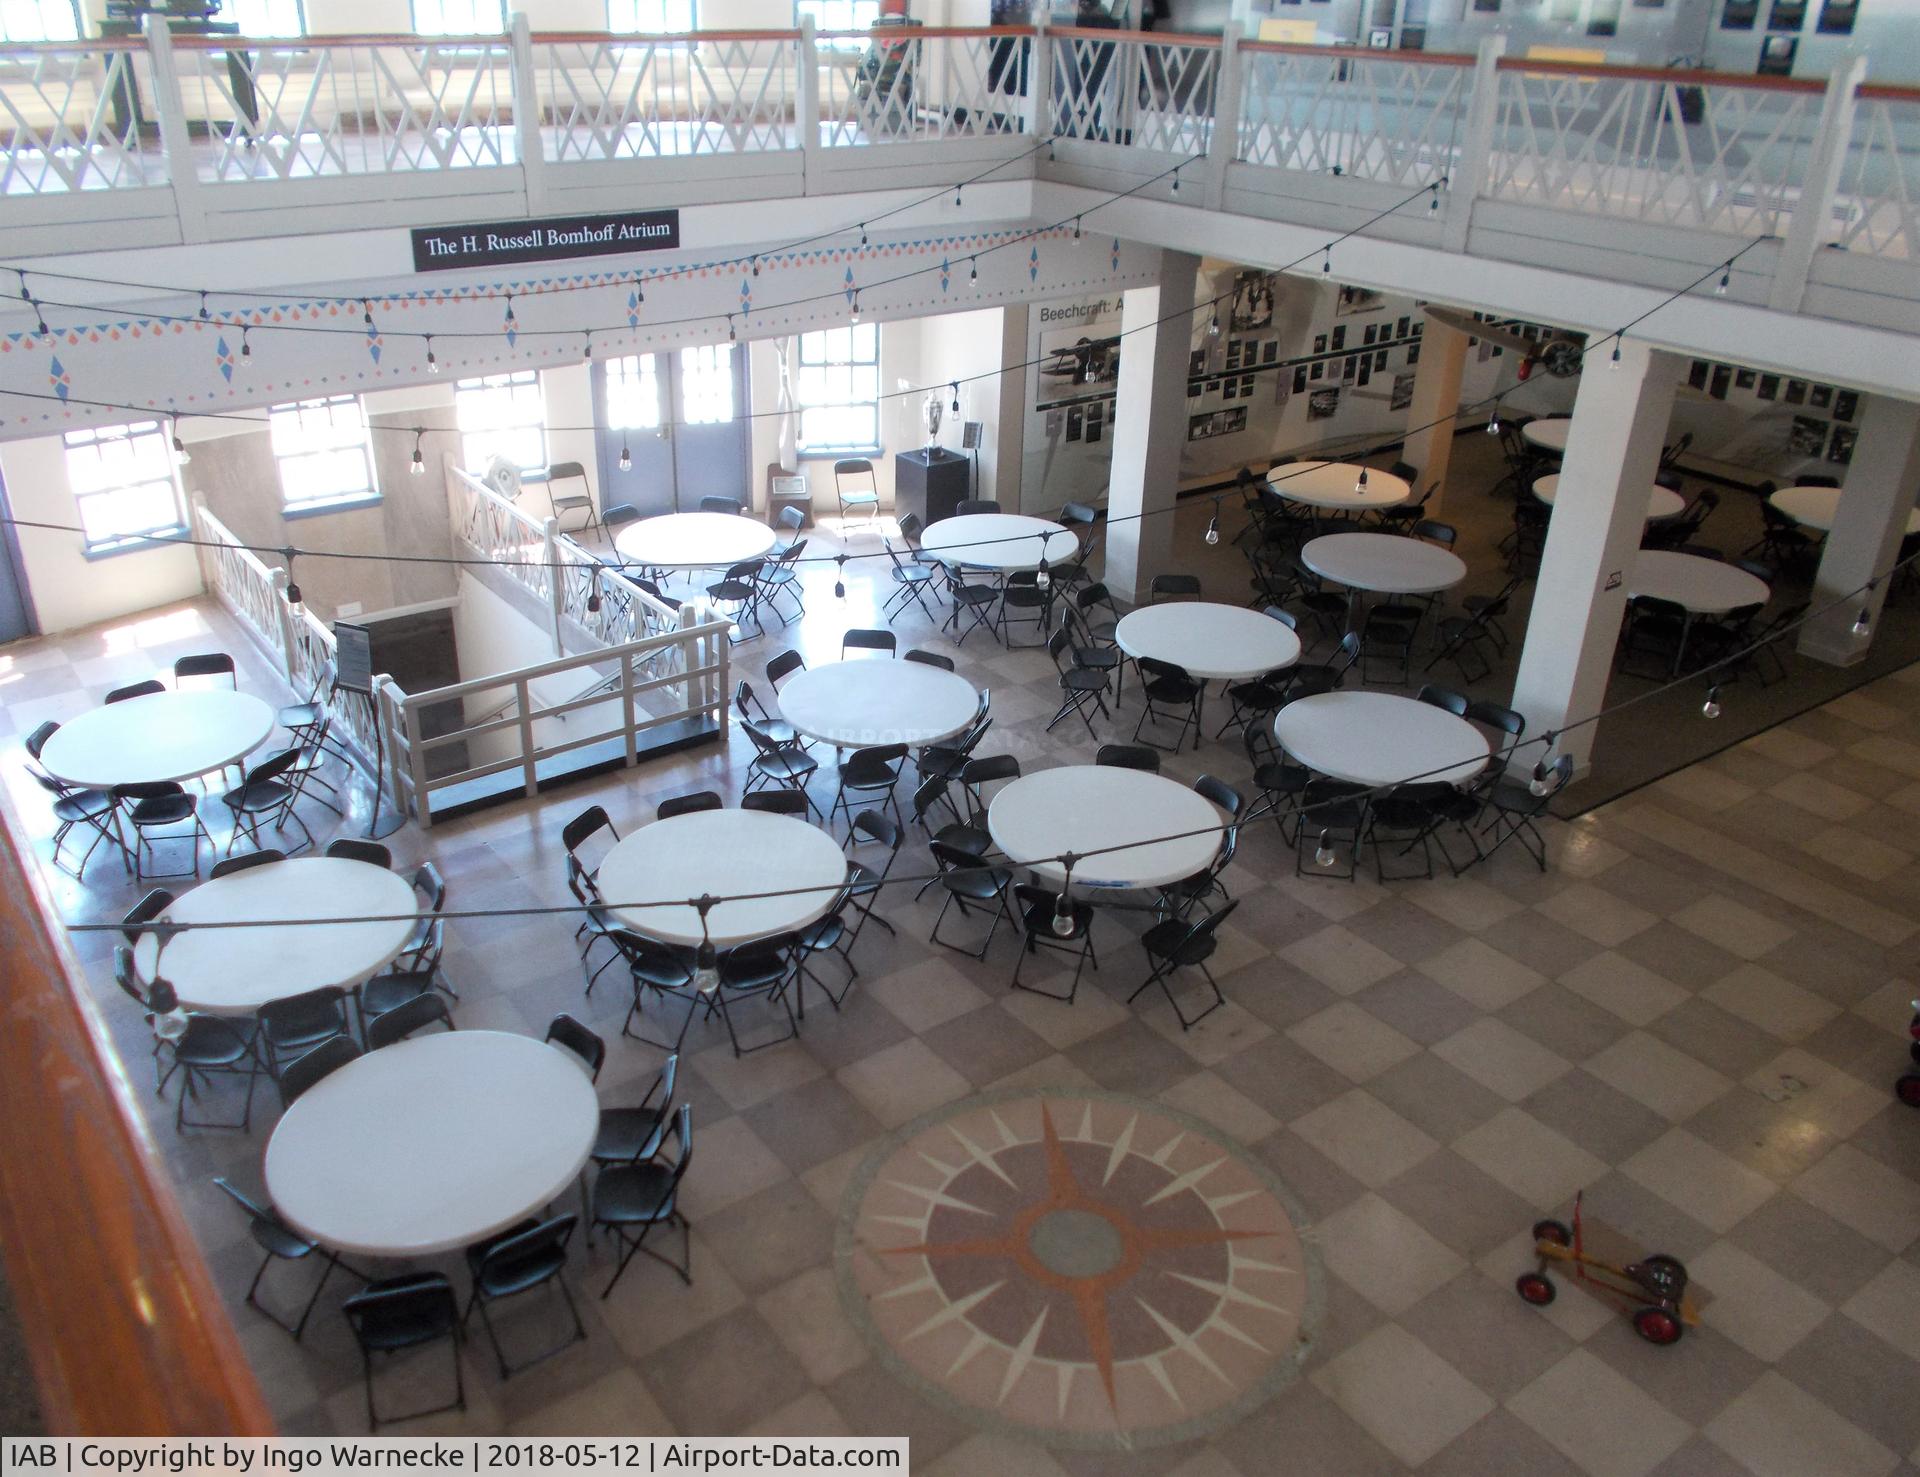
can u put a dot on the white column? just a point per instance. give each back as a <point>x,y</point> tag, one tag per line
<point>1149,426</point>
<point>1436,396</point>
<point>1867,528</point>
<point>1010,421</point>
<point>1620,416</point>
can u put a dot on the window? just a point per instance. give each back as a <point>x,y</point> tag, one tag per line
<point>839,15</point>
<point>39,20</point>
<point>459,17</point>
<point>651,17</point>
<point>322,449</point>
<point>633,392</point>
<point>504,415</point>
<point>265,17</point>
<point>839,390</point>
<point>706,384</point>
<point>122,481</point>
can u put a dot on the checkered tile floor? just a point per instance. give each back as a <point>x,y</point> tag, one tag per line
<point>1696,1015</point>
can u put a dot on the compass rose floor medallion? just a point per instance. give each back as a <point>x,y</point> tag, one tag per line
<point>1082,1268</point>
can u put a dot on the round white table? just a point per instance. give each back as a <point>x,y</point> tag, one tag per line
<point>235,971</point>
<point>1662,502</point>
<point>1007,542</point>
<point>1548,433</point>
<point>721,853</point>
<point>854,704</point>
<point>1375,738</point>
<point>1703,586</point>
<point>1084,807</point>
<point>1814,507</point>
<point>1210,641</point>
<point>163,736</point>
<point>1384,562</point>
<point>1334,485</point>
<point>694,540</point>
<point>432,1144</point>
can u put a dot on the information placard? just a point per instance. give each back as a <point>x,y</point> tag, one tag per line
<point>352,658</point>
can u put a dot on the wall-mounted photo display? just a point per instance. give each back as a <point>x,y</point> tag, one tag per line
<point>1319,343</point>
<point>1419,325</point>
<point>1323,404</point>
<point>1349,367</point>
<point>1197,362</point>
<point>1739,15</point>
<point>1604,18</point>
<point>1413,353</point>
<point>1697,373</point>
<point>1246,387</point>
<point>1786,15</point>
<point>1368,336</point>
<point>1056,423</point>
<point>1380,361</point>
<point>1193,389</point>
<point>1402,395</point>
<point>1096,420</point>
<point>1300,379</point>
<point>1339,338</point>
<point>1837,17</point>
<point>1354,300</point>
<point>1217,423</point>
<point>1840,449</point>
<point>1744,379</point>
<point>1413,38</point>
<point>1845,403</point>
<point>1820,396</point>
<point>1270,351</point>
<point>1776,56</point>
<point>1808,436</point>
<point>1366,372</point>
<point>1400,328</point>
<point>1252,301</point>
<point>1722,381</point>
<point>1769,387</point>
<point>1319,370</point>
<point>1230,390</point>
<point>1796,392</point>
<point>1076,422</point>
<point>1233,353</point>
<point>1649,4</point>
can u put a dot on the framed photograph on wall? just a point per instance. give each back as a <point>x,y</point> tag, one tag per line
<point>1270,351</point>
<point>1769,388</point>
<point>1796,392</point>
<point>1319,370</point>
<point>1743,379</point>
<point>1368,336</point>
<point>1402,395</point>
<point>1400,328</point>
<point>1380,362</point>
<point>1820,396</point>
<point>1697,373</point>
<point>1366,373</point>
<point>1836,19</point>
<point>1739,15</point>
<point>1722,381</point>
<point>1323,404</point>
<point>1808,436</point>
<point>1845,403</point>
<point>1230,389</point>
<point>1319,343</point>
<point>1339,338</point>
<point>1786,15</point>
<point>1246,387</point>
<point>1300,379</point>
<point>1840,448</point>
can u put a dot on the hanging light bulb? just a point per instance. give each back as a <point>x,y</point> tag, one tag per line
<point>1213,325</point>
<point>40,319</point>
<point>973,269</point>
<point>1541,784</point>
<point>204,314</point>
<point>1711,707</point>
<point>294,602</point>
<point>1493,421</point>
<point>626,456</point>
<point>246,350</point>
<point>1076,228</point>
<point>706,968</point>
<point>1862,623</point>
<point>1614,362</point>
<point>433,364</point>
<point>589,343</point>
<point>1213,524</point>
<point>1326,261</point>
<point>1042,579</point>
<point>1360,482</point>
<point>1063,905</point>
<point>863,233</point>
<point>1433,197</point>
<point>180,454</point>
<point>366,312</point>
<point>28,297</point>
<point>639,291</point>
<point>419,467</point>
<point>1726,277</point>
<point>593,593</point>
<point>956,397</point>
<point>856,305</point>
<point>1323,853</point>
<point>956,197</point>
<point>1176,179</point>
<point>1050,160</point>
<point>733,334</point>
<point>840,576</point>
<point>1090,374</point>
<point>509,308</point>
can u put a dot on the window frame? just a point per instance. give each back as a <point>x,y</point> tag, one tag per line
<point>802,404</point>
<point>510,380</point>
<point>130,432</point>
<point>413,16</point>
<point>333,502</point>
<point>693,19</point>
<point>41,7</point>
<point>804,8</point>
<point>300,20</point>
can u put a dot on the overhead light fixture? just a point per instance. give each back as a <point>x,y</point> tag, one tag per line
<point>246,350</point>
<point>626,456</point>
<point>840,577</point>
<point>1711,707</point>
<point>180,453</point>
<point>433,364</point>
<point>419,467</point>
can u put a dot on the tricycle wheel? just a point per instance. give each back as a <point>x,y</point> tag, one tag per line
<point>1664,1276</point>
<point>1658,1326</point>
<point>1535,1288</point>
<point>1907,1089</point>
<point>1554,1231</point>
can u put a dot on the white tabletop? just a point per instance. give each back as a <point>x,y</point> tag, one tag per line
<point>1550,433</point>
<point>163,736</point>
<point>721,853</point>
<point>235,971</point>
<point>1703,586</point>
<point>1375,738</point>
<point>1209,640</point>
<point>1084,807</point>
<point>1332,485</point>
<point>1383,561</point>
<point>1814,507</point>
<point>432,1144</point>
<point>1662,502</point>
<point>694,540</point>
<point>874,701</point>
<point>1002,541</point>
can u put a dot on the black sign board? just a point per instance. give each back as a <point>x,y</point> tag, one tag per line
<point>352,658</point>
<point>499,243</point>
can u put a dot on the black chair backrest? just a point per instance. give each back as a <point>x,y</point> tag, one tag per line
<point>310,1010</point>
<point>619,515</point>
<point>146,910</point>
<point>1221,794</point>
<point>790,518</point>
<point>149,790</point>
<point>1406,472</point>
<point>522,1259</point>
<point>300,1074</point>
<point>993,767</point>
<point>1435,532</point>
<point>353,849</point>
<point>852,465</point>
<point>273,768</point>
<point>1088,596</point>
<point>718,504</point>
<point>1512,724</point>
<point>564,1031</point>
<point>136,689</point>
<point>931,659</point>
<point>745,572</point>
<point>776,802</point>
<point>1078,515</point>
<point>698,800</point>
<point>583,825</point>
<point>227,866</point>
<point>1200,940</point>
<point>862,638</point>
<point>1128,756</point>
<point>1173,587</point>
<point>1444,698</point>
<point>252,1207</point>
<point>406,1018</point>
<point>1763,572</point>
<point>782,665</point>
<point>873,765</point>
<point>971,505</point>
<point>910,527</point>
<point>878,826</point>
<point>1819,479</point>
<point>205,664</point>
<point>1285,617</point>
<point>37,740</point>
<point>402,1311</point>
<point>126,976</point>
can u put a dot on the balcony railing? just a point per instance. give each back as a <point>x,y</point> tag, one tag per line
<point>542,116</point>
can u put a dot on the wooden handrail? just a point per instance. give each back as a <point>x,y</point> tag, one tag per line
<point>1157,38</point>
<point>1889,92</point>
<point>85,43</point>
<point>1677,76</point>
<point>336,43</point>
<point>124,1328</point>
<point>643,38</point>
<point>1362,53</point>
<point>915,33</point>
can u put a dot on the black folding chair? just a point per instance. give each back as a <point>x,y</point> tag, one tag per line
<point>631,1199</point>
<point>402,1313</point>
<point>522,1257</point>
<point>1176,944</point>
<point>281,1243</point>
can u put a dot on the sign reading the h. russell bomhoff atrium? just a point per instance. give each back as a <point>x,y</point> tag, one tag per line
<point>437,248</point>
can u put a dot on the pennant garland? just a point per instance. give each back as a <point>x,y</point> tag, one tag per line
<point>223,357</point>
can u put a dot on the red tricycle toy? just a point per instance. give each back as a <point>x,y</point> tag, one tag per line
<point>1654,1287</point>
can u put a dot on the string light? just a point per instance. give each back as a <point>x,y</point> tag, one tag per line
<point>1614,362</point>
<point>956,397</point>
<point>1213,524</point>
<point>756,266</point>
<point>1076,228</point>
<point>25,295</point>
<point>626,456</point>
<point>1042,579</point>
<point>706,965</point>
<point>246,350</point>
<point>1360,482</point>
<point>639,291</point>
<point>366,312</point>
<point>509,308</point>
<point>1050,156</point>
<point>294,601</point>
<point>589,343</point>
<point>1323,853</point>
<point>1711,707</point>
<point>856,306</point>
<point>593,592</point>
<point>180,454</point>
<point>956,197</point>
<point>419,467</point>
<point>1213,327</point>
<point>1326,261</point>
<point>1726,278</point>
<point>204,314</point>
<point>840,577</point>
<point>1433,196</point>
<point>1063,904</point>
<point>1541,784</point>
<point>433,364</point>
<point>1176,179</point>
<point>40,318</point>
<point>863,233</point>
<point>1863,622</point>
<point>973,270</point>
<point>1493,421</point>
<point>733,336</point>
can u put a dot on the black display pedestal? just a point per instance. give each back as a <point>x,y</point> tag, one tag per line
<point>929,483</point>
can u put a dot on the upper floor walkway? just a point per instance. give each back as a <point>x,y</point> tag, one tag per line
<point>1627,174</point>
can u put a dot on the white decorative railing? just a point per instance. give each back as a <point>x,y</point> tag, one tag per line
<point>1877,212</point>
<point>1669,148</point>
<point>1134,88</point>
<point>654,97</point>
<point>514,540</point>
<point>919,82</point>
<point>371,105</point>
<point>70,118</point>
<point>1336,110</point>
